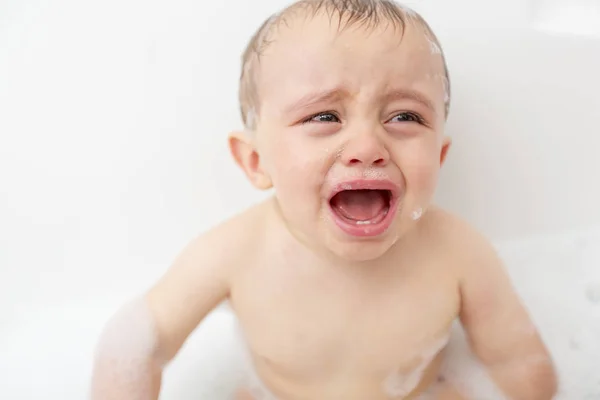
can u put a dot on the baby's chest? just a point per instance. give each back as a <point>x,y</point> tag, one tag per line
<point>300,331</point>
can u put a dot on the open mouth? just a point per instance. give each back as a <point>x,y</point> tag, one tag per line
<point>362,207</point>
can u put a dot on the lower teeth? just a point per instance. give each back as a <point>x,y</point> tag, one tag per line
<point>369,222</point>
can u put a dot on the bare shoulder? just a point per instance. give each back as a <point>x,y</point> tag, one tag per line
<point>228,242</point>
<point>200,277</point>
<point>220,248</point>
<point>467,247</point>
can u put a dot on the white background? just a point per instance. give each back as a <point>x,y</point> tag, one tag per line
<point>114,116</point>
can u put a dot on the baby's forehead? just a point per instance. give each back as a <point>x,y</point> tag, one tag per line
<point>333,42</point>
<point>314,60</point>
<point>303,36</point>
<point>318,46</point>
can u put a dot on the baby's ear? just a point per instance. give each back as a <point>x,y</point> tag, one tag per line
<point>247,158</point>
<point>446,143</point>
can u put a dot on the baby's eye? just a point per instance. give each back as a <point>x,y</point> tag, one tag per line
<point>325,117</point>
<point>407,117</point>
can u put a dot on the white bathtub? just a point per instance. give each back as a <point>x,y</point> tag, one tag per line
<point>45,352</point>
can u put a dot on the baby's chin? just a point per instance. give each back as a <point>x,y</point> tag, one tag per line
<point>353,249</point>
<point>363,252</point>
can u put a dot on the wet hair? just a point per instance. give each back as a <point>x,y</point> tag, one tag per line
<point>364,13</point>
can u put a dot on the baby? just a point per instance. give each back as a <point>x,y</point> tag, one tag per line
<point>347,281</point>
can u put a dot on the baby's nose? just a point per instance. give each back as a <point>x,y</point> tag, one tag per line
<point>365,150</point>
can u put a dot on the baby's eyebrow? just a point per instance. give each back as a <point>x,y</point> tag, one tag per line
<point>312,98</point>
<point>401,94</point>
<point>331,95</point>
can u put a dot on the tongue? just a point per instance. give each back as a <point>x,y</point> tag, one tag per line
<point>359,205</point>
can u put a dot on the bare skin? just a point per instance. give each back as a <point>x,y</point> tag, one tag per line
<point>330,315</point>
<point>373,326</point>
<point>317,330</point>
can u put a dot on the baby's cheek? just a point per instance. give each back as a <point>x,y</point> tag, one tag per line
<point>292,171</point>
<point>296,165</point>
<point>420,164</point>
<point>296,177</point>
<point>421,176</point>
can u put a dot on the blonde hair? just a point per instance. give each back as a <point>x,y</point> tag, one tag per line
<point>370,13</point>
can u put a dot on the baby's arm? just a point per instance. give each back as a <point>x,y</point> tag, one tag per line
<point>499,329</point>
<point>147,333</point>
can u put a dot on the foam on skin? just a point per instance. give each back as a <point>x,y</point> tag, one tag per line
<point>126,363</point>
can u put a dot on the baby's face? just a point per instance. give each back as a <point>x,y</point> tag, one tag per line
<point>361,108</point>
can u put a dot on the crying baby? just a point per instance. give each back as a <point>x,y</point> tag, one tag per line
<point>347,281</point>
